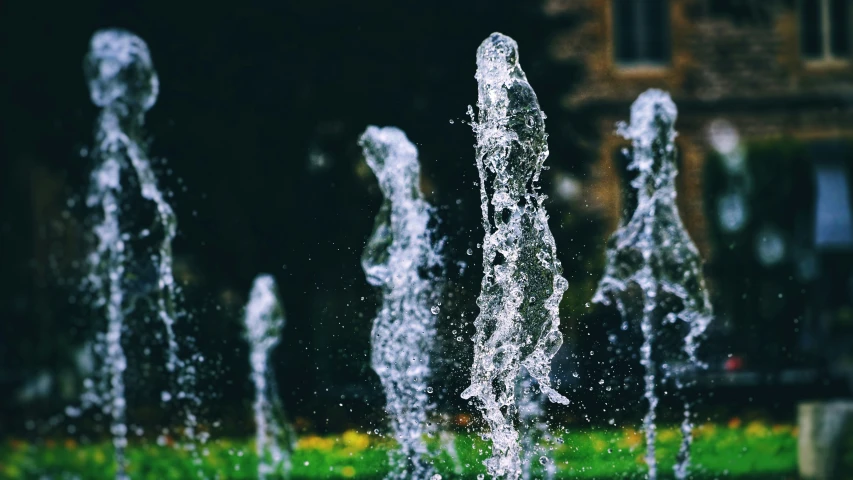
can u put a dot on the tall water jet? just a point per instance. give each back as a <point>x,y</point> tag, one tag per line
<point>123,82</point>
<point>651,256</point>
<point>264,321</point>
<point>522,283</point>
<point>400,259</point>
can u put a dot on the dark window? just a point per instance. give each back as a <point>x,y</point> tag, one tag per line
<point>641,31</point>
<point>810,28</point>
<point>840,28</point>
<point>825,28</point>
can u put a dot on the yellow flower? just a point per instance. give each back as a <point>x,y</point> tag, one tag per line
<point>348,471</point>
<point>705,430</point>
<point>314,442</point>
<point>667,435</point>
<point>757,429</point>
<point>356,441</point>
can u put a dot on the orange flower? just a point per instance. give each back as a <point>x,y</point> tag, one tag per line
<point>70,444</point>
<point>463,420</point>
<point>777,429</point>
<point>735,422</point>
<point>632,439</point>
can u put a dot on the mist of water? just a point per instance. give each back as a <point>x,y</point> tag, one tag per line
<point>522,283</point>
<point>264,321</point>
<point>401,259</point>
<point>652,258</point>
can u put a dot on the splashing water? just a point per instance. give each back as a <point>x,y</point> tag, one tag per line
<point>123,82</point>
<point>534,430</point>
<point>653,252</point>
<point>264,321</point>
<point>398,259</point>
<point>448,444</point>
<point>522,283</point>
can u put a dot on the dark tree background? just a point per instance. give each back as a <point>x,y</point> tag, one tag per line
<point>254,133</point>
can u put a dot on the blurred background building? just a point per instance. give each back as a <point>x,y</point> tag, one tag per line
<point>765,97</point>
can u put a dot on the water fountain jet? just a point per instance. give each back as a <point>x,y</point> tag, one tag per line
<point>123,82</point>
<point>400,259</point>
<point>522,283</point>
<point>264,321</point>
<point>653,252</point>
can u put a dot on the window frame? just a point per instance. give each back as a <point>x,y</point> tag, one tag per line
<point>826,56</point>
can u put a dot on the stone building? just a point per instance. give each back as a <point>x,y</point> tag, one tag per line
<point>742,72</point>
<point>770,68</point>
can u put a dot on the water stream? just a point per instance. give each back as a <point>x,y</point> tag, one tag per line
<point>401,259</point>
<point>652,264</point>
<point>522,284</point>
<point>264,321</point>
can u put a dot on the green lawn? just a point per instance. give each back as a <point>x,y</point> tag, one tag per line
<point>751,451</point>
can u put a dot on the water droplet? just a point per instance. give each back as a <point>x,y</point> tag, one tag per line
<point>543,460</point>
<point>429,389</point>
<point>435,309</point>
<point>469,251</point>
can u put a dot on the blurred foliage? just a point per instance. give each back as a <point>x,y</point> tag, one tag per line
<point>752,450</point>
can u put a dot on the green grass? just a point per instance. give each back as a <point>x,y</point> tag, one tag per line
<point>752,451</point>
